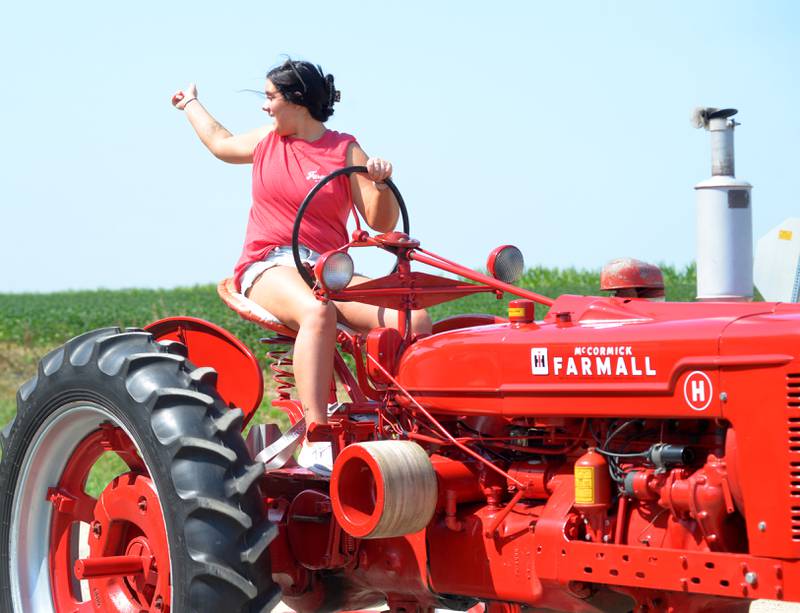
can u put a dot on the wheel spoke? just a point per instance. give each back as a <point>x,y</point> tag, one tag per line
<point>84,510</point>
<point>114,439</point>
<point>78,507</point>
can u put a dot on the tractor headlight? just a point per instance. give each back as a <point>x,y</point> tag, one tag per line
<point>506,264</point>
<point>334,270</point>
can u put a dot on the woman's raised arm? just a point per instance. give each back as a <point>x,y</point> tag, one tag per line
<point>232,148</point>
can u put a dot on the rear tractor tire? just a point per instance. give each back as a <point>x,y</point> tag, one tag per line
<point>182,529</point>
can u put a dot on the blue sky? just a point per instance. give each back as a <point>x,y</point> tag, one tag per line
<point>562,127</point>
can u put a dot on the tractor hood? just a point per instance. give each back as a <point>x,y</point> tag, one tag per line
<point>592,356</point>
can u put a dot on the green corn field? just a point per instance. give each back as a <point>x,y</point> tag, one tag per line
<point>46,320</point>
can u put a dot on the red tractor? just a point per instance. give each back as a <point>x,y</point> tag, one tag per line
<point>618,455</point>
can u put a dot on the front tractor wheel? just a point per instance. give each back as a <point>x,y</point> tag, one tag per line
<point>181,528</point>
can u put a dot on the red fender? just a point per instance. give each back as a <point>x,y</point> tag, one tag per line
<point>456,322</point>
<point>240,381</point>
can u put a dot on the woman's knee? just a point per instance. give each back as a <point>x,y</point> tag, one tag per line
<point>421,322</point>
<point>317,315</point>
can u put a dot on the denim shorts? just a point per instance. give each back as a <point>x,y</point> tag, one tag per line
<point>278,256</point>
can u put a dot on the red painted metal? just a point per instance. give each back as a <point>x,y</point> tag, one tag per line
<point>419,290</point>
<point>358,492</point>
<point>455,322</point>
<point>310,530</point>
<point>508,411</point>
<point>320,267</point>
<point>384,345</point>
<point>520,311</point>
<point>239,378</point>
<point>492,259</point>
<point>592,482</point>
<point>487,370</point>
<point>438,426</point>
<point>632,278</point>
<point>358,489</point>
<point>281,364</point>
<point>426,257</point>
<point>458,480</point>
<point>397,240</point>
<point>246,309</point>
<point>593,494</point>
<point>111,566</point>
<point>127,568</point>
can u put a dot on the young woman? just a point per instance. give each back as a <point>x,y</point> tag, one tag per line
<point>289,157</point>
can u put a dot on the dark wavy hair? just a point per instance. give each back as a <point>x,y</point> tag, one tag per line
<point>307,85</point>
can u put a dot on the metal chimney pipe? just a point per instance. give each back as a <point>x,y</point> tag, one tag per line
<point>724,217</point>
<point>722,162</point>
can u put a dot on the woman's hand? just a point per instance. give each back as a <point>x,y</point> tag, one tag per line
<point>183,96</point>
<point>378,170</point>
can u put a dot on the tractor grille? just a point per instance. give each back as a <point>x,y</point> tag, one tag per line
<point>793,425</point>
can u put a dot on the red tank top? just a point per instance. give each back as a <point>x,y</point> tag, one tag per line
<point>284,171</point>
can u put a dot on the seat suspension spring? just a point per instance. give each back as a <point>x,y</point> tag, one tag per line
<point>281,364</point>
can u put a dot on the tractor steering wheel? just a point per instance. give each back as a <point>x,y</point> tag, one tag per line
<point>307,200</point>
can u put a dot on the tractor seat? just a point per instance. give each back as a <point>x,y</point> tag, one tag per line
<point>252,311</point>
<point>249,310</point>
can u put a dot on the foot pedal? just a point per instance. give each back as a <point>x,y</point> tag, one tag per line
<point>261,435</point>
<point>278,453</point>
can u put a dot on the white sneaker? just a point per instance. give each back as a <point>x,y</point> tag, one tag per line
<point>316,457</point>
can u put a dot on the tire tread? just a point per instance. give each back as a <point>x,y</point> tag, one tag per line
<point>230,420</point>
<point>265,534</point>
<point>242,484</point>
<point>153,383</point>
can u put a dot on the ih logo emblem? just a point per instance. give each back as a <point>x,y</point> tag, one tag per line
<point>697,390</point>
<point>539,364</point>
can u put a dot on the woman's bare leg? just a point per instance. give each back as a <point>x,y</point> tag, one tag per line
<point>364,317</point>
<point>283,293</point>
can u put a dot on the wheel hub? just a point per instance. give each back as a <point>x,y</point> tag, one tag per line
<point>132,531</point>
<point>144,582</point>
<point>116,565</point>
